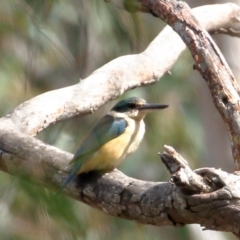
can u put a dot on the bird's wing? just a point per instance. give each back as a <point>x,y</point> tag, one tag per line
<point>104,131</point>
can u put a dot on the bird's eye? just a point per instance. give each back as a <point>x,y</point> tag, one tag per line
<point>132,105</point>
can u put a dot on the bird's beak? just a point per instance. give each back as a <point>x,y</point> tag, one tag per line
<point>150,107</point>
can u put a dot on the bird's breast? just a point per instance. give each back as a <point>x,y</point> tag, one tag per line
<point>112,153</point>
<point>135,132</point>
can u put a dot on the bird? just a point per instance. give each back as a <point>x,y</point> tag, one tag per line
<point>112,138</point>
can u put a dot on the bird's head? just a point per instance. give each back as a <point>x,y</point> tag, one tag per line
<point>136,108</point>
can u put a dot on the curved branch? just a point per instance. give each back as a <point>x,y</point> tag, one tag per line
<point>111,80</point>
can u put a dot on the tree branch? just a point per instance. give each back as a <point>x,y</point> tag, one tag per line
<point>111,80</point>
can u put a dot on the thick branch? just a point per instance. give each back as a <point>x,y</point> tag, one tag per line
<point>188,198</point>
<point>170,203</point>
<point>111,80</point>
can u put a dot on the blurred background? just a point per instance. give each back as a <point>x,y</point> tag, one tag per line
<point>50,44</point>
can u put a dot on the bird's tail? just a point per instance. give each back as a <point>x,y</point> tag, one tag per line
<point>68,180</point>
<point>71,176</point>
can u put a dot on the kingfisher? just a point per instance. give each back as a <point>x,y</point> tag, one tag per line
<point>112,138</point>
